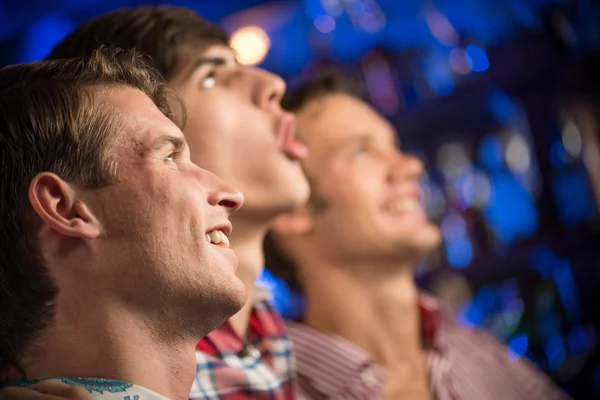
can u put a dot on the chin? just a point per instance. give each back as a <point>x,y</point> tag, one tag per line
<point>422,240</point>
<point>235,295</point>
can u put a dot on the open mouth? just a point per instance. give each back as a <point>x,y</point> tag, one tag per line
<point>218,238</point>
<point>292,147</point>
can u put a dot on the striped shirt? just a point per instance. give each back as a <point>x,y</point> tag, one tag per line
<point>463,364</point>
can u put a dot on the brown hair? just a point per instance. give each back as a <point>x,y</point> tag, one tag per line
<point>50,120</point>
<point>169,35</point>
<point>326,82</point>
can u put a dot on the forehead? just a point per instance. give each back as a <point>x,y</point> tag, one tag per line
<point>338,118</point>
<point>141,120</point>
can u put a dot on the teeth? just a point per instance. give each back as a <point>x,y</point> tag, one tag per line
<point>404,205</point>
<point>224,240</point>
<point>217,237</point>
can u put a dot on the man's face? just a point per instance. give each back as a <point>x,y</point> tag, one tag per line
<point>370,189</point>
<point>155,220</point>
<point>236,129</point>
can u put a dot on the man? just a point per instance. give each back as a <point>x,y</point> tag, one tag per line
<point>114,259</point>
<point>237,130</point>
<point>368,332</point>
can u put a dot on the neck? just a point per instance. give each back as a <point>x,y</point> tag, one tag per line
<point>247,241</point>
<point>112,345</point>
<point>377,312</point>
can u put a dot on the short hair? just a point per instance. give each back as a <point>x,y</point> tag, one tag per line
<point>52,121</point>
<point>326,82</point>
<point>169,35</point>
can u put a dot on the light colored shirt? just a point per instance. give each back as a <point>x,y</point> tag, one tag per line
<point>463,364</point>
<point>108,389</point>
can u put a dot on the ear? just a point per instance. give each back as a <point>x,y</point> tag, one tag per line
<point>298,222</point>
<point>55,202</point>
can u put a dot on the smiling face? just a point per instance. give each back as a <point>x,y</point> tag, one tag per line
<point>367,187</point>
<point>157,219</point>
<point>237,129</point>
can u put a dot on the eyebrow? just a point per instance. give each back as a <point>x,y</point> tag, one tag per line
<point>177,142</point>
<point>202,61</point>
<point>364,137</point>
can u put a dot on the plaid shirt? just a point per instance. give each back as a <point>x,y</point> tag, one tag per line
<point>259,367</point>
<point>464,364</point>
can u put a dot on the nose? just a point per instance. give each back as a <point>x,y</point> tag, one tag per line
<point>222,194</point>
<point>406,166</point>
<point>268,89</point>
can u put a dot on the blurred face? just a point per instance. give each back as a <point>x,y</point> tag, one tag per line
<point>236,129</point>
<point>163,225</point>
<point>369,188</point>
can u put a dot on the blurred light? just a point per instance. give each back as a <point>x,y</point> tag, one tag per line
<point>453,226</point>
<point>542,259</point>
<point>291,305</point>
<point>46,33</point>
<point>573,196</point>
<point>509,291</point>
<point>547,324</point>
<point>555,352</point>
<point>333,7</point>
<point>518,157</point>
<point>464,187</point>
<point>517,347</point>
<point>485,299</point>
<point>251,45</point>
<point>440,80</point>
<point>458,61</point>
<point>477,60</point>
<point>511,212</point>
<point>578,340</point>
<point>558,155</point>
<point>501,106</point>
<point>325,23</point>
<point>451,158</point>
<point>483,189</point>
<point>523,13</point>
<point>564,280</point>
<point>434,200</point>
<point>441,28</point>
<point>513,313</point>
<point>490,152</point>
<point>459,252</point>
<point>372,23</point>
<point>380,83</point>
<point>571,139</point>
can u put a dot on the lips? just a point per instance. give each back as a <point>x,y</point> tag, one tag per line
<point>289,144</point>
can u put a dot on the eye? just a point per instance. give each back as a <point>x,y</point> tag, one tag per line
<point>361,149</point>
<point>209,80</point>
<point>172,156</point>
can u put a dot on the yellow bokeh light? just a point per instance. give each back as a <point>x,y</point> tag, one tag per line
<point>251,45</point>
